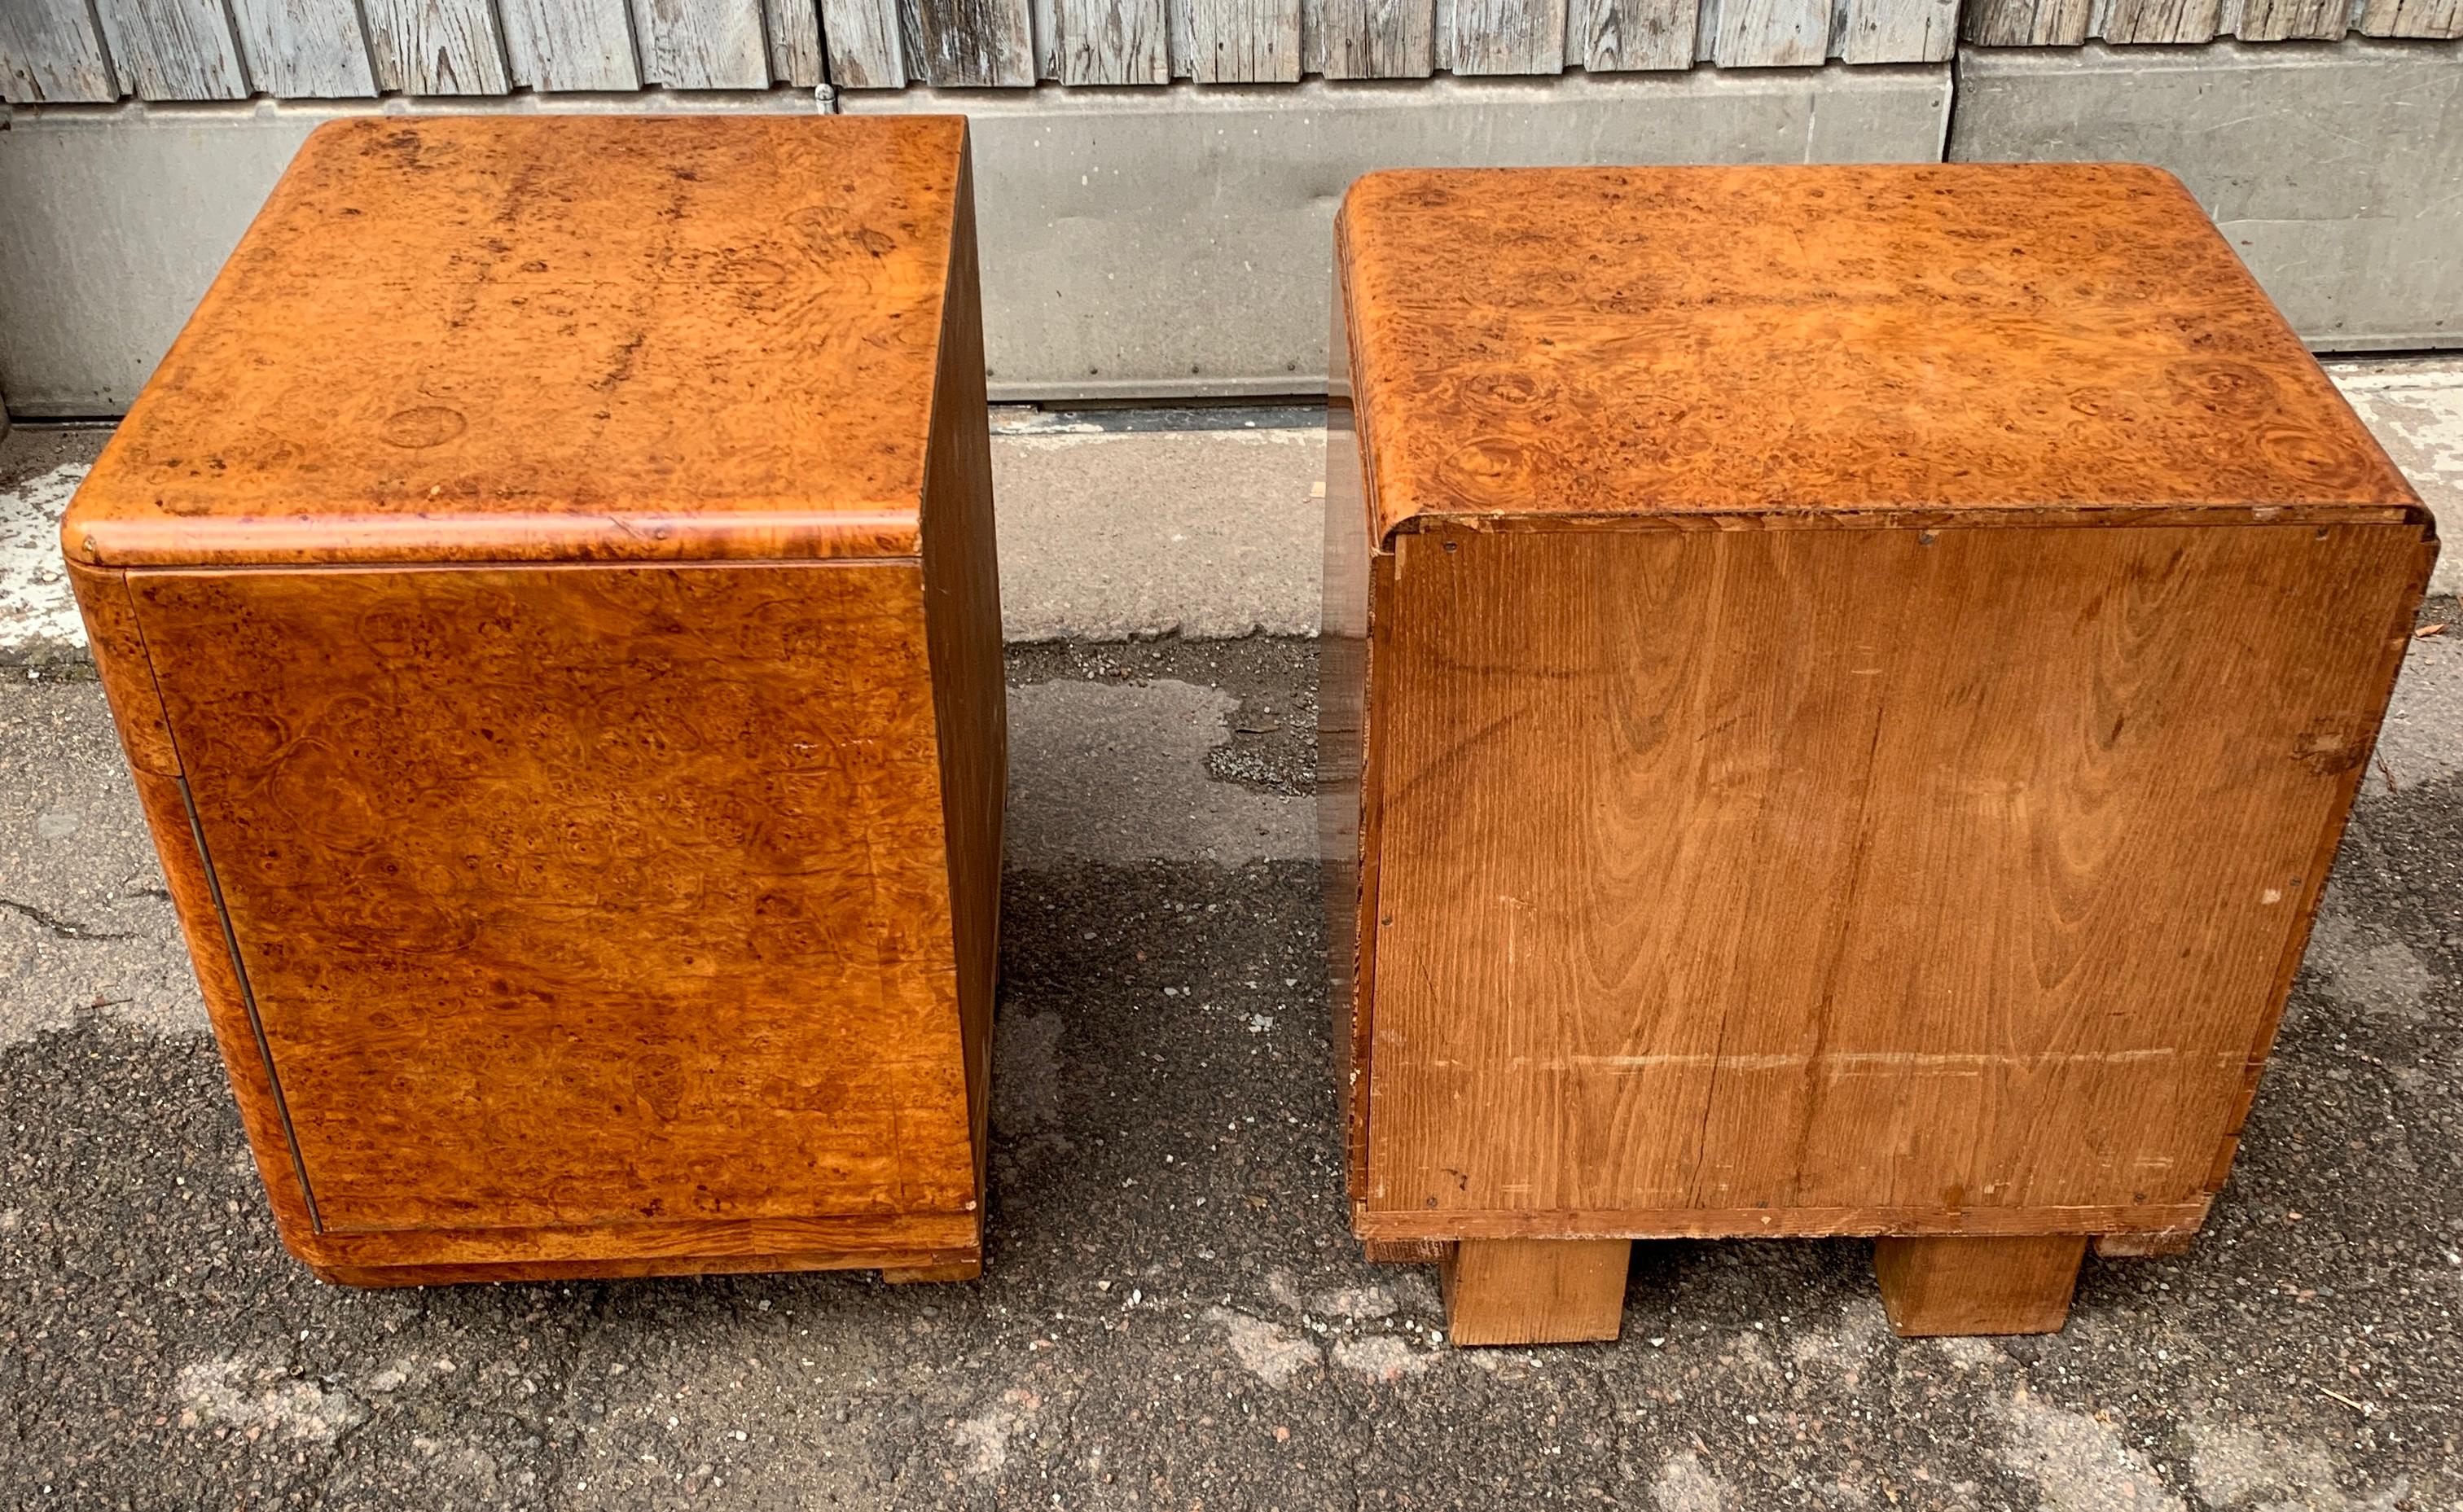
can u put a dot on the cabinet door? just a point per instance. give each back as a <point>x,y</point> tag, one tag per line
<point>581,896</point>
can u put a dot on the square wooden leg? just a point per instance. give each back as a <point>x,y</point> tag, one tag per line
<point>1535,1290</point>
<point>1958,1284</point>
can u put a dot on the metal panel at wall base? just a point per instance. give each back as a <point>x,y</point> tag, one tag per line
<point>2332,168</point>
<point>1179,241</point>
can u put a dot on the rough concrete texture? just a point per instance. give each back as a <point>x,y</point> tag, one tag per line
<point>85,925</point>
<point>1173,1314</point>
<point>2330,168</point>
<point>1205,533</point>
<point>40,466</point>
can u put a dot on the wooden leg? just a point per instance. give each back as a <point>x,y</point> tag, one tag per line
<point>962,1270</point>
<point>1536,1290</point>
<point>1957,1284</point>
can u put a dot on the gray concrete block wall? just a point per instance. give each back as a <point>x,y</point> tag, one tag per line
<point>2334,168</point>
<point>1181,242</point>
<point>1161,243</point>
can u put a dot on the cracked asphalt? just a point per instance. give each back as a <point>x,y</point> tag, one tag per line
<point>1173,1315</point>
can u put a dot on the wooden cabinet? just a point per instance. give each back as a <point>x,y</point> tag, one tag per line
<point>1842,686</point>
<point>548,598</point>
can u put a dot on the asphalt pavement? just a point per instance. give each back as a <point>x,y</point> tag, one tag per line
<point>1173,1314</point>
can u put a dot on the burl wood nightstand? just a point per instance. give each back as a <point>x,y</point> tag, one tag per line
<point>548,599</point>
<point>1843,687</point>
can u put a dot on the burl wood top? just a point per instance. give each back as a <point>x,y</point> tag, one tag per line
<point>553,337</point>
<point>1555,344</point>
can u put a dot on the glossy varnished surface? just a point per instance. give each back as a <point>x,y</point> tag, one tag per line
<point>1850,880</point>
<point>582,896</point>
<point>1610,343</point>
<point>962,621</point>
<point>553,338</point>
<point>548,602</point>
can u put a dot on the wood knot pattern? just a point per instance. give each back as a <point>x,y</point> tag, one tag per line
<point>1708,340</point>
<point>506,338</point>
<point>548,602</point>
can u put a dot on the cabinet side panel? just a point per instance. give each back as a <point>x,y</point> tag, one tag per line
<point>251,1079</point>
<point>1853,870</point>
<point>963,622</point>
<point>581,896</point>
<point>120,661</point>
<point>136,711</point>
<point>2395,641</point>
<point>1345,852</point>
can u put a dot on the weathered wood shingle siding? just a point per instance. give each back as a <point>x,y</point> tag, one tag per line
<point>175,50</point>
<point>560,45</point>
<point>54,51</point>
<point>305,49</point>
<point>437,47</point>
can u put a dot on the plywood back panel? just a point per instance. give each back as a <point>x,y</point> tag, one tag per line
<point>963,634</point>
<point>1867,874</point>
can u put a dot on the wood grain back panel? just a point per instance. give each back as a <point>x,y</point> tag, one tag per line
<point>1569,344</point>
<point>1851,872</point>
<point>500,339</point>
<point>582,896</point>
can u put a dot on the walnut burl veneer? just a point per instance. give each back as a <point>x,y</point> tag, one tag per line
<point>1842,689</point>
<point>548,599</point>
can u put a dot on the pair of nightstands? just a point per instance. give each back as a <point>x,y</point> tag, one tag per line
<point>1839,690</point>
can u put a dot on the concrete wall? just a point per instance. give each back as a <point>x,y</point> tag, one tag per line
<point>2334,168</point>
<point>1174,242</point>
<point>1181,242</point>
